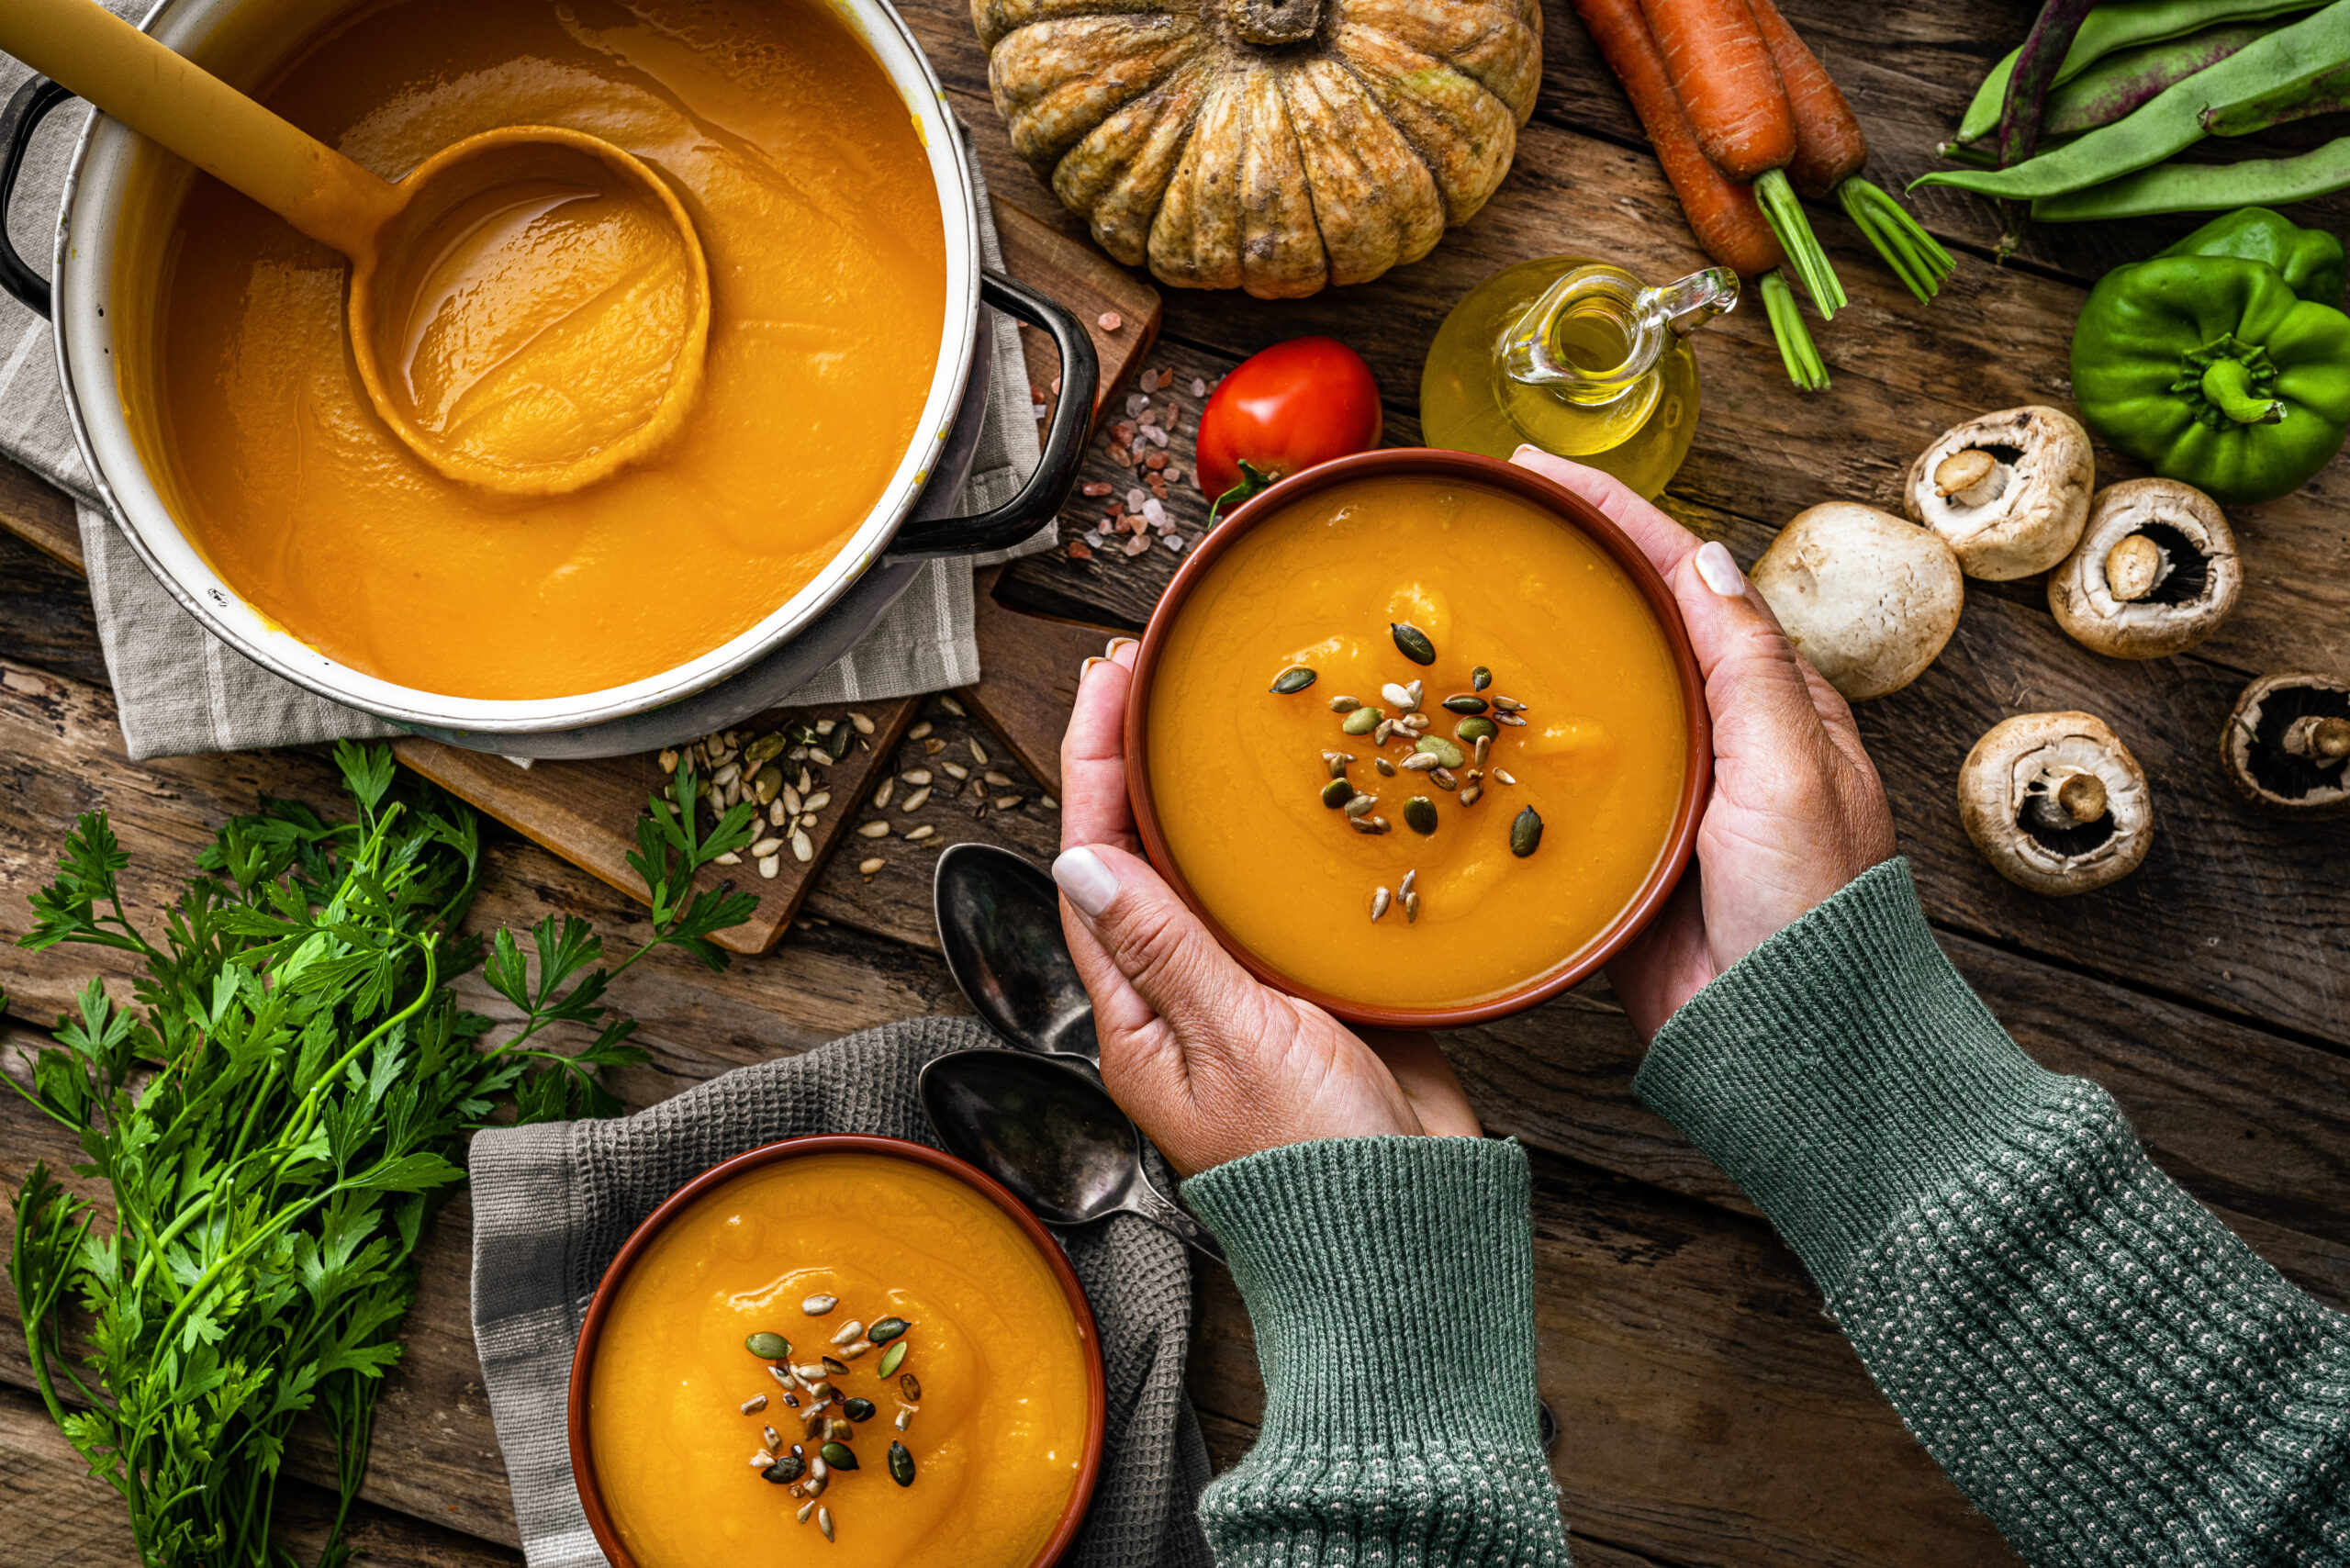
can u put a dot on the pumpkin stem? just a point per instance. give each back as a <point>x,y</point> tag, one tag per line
<point>1276,21</point>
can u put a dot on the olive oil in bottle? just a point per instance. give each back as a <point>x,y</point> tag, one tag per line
<point>1577,357</point>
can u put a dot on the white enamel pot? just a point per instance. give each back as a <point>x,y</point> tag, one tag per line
<point>94,218</point>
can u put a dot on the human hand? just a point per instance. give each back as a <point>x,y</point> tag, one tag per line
<point>1796,810</point>
<point>1210,1064</point>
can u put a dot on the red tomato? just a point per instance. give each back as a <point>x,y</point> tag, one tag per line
<point>1289,408</point>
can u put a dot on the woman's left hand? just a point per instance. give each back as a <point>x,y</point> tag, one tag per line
<point>1210,1064</point>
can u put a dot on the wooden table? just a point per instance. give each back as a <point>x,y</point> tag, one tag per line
<point>1712,1414</point>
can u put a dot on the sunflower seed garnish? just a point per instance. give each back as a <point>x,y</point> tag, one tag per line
<point>824,1522</point>
<point>1410,880</point>
<point>805,1509</point>
<point>1421,761</point>
<point>781,1377</point>
<point>753,1405</point>
<point>1361,805</point>
<point>835,1366</point>
<point>905,1417</point>
<point>1509,705</point>
<point>1386,768</point>
<point>1410,909</point>
<point>913,802</point>
<point>1484,749</point>
<point>1345,704</point>
<point>1295,679</point>
<point>1412,643</point>
<point>1380,899</point>
<point>1338,761</point>
<point>838,1430</point>
<point>851,1352</point>
<point>1469,796</point>
<point>774,1440</point>
<point>1503,773</point>
<point>1379,737</point>
<point>1524,833</point>
<point>1515,721</point>
<point>1443,779</point>
<point>1399,697</point>
<point>761,1459</point>
<point>1372,825</point>
<point>872,829</point>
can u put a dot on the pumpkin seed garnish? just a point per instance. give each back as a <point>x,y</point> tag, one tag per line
<point>1337,793</point>
<point>1419,815</point>
<point>849,1330</point>
<point>768,1346</point>
<point>1443,750</point>
<point>857,1409</point>
<point>784,1470</point>
<point>1504,775</point>
<point>753,1405</point>
<point>839,1455</point>
<point>889,1329</point>
<point>1361,805</point>
<point>910,1386</point>
<point>891,1357</point>
<point>902,1464</point>
<point>1295,679</point>
<point>1345,704</point>
<point>1480,678</point>
<point>1378,902</point>
<point>1412,643</point>
<point>1362,721</point>
<point>817,1305</point>
<point>1476,729</point>
<point>1401,696</point>
<point>1524,833</point>
<point>1465,704</point>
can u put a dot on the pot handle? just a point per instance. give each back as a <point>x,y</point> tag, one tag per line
<point>1065,438</point>
<point>17,122</point>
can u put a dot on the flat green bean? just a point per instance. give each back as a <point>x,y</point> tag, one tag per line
<point>2173,119</point>
<point>2206,188</point>
<point>2116,24</point>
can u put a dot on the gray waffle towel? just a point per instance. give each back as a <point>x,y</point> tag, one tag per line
<point>178,688</point>
<point>552,1204</point>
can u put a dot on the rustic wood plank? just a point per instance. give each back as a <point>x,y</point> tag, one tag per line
<point>46,618</point>
<point>38,513</point>
<point>587,812</point>
<point>1094,286</point>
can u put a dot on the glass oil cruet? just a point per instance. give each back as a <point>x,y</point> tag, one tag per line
<point>1577,357</point>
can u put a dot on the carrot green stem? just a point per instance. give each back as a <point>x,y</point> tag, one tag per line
<point>1916,257</point>
<point>1785,214</point>
<point>1797,350</point>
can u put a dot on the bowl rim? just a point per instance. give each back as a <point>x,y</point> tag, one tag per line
<point>583,1465</point>
<point>1570,509</point>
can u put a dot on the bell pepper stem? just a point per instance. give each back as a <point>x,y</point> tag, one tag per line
<point>2227,387</point>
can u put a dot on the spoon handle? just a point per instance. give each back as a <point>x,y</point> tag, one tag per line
<point>1147,1200</point>
<point>97,55</point>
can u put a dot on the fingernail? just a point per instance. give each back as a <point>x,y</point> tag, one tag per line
<point>1087,668</point>
<point>1088,883</point>
<point>1720,570</point>
<point>1115,644</point>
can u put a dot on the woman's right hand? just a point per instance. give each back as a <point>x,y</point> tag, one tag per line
<point>1796,810</point>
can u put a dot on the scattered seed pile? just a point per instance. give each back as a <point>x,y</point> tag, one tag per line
<point>829,1416</point>
<point>1479,721</point>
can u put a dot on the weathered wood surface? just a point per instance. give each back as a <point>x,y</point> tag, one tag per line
<point>1713,1415</point>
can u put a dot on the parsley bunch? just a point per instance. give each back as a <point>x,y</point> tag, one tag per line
<point>276,1119</point>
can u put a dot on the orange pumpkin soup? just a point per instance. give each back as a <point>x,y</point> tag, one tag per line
<point>997,1363</point>
<point>1516,863</point>
<point>809,188</point>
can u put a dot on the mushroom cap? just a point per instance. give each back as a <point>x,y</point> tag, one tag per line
<point>2007,799</point>
<point>2199,578</point>
<point>2257,748</point>
<point>1867,598</point>
<point>2034,520</point>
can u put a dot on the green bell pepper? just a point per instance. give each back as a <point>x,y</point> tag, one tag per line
<point>2310,259</point>
<point>2214,372</point>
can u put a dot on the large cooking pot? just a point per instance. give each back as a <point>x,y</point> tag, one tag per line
<point>106,228</point>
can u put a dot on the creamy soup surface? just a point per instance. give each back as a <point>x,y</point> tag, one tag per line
<point>1238,772</point>
<point>809,186</point>
<point>999,1359</point>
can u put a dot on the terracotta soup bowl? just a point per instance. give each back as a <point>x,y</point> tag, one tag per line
<point>1273,695</point>
<point>848,1350</point>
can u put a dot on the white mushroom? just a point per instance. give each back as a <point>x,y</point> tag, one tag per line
<point>2009,492</point>
<point>2154,574</point>
<point>2286,746</point>
<point>1867,598</point>
<point>2056,804</point>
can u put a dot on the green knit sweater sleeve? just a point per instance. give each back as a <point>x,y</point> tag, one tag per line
<point>1391,1285</point>
<point>2109,1373</point>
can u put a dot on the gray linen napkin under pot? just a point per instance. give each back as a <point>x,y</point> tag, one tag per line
<point>553,1204</point>
<point>180,690</point>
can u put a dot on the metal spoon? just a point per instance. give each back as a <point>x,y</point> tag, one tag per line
<point>1048,1131</point>
<point>999,925</point>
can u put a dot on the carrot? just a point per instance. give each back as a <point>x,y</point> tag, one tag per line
<point>1830,146</point>
<point>1830,153</point>
<point>1722,214</point>
<point>1722,73</point>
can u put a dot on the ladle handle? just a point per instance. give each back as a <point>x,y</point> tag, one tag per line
<point>1065,438</point>
<point>23,115</point>
<point>94,54</point>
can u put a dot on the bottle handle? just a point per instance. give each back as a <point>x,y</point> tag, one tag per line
<point>1648,319</point>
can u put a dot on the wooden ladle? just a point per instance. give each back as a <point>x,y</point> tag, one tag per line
<point>529,307</point>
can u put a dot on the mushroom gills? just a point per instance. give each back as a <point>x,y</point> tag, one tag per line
<point>1976,475</point>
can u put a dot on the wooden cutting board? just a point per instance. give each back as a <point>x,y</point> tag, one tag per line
<point>587,812</point>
